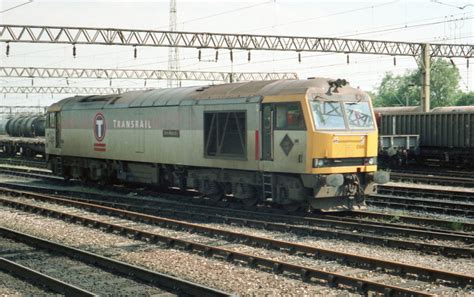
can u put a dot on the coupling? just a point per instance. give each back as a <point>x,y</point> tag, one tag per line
<point>335,180</point>
<point>381,177</point>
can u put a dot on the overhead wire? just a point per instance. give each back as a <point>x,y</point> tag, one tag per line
<point>16,6</point>
<point>324,16</point>
<point>222,13</point>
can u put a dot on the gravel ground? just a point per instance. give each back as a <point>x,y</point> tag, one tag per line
<point>459,265</point>
<point>12,286</point>
<point>423,214</point>
<point>409,257</point>
<point>77,273</point>
<point>322,265</point>
<point>210,272</point>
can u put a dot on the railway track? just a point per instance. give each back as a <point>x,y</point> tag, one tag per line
<point>343,278</point>
<point>355,216</point>
<point>74,272</point>
<point>449,202</point>
<point>358,215</point>
<point>327,226</point>
<point>33,163</point>
<point>29,172</point>
<point>443,201</point>
<point>437,178</point>
<point>435,171</point>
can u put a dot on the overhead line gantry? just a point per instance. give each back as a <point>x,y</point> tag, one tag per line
<point>132,37</point>
<point>201,40</point>
<point>42,72</point>
<point>67,90</point>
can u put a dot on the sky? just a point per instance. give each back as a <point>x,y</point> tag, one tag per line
<point>437,21</point>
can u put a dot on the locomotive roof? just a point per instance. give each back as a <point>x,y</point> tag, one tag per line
<point>211,94</point>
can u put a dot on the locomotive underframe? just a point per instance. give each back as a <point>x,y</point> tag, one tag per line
<point>317,191</point>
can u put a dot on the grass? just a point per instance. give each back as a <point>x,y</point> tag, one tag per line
<point>456,226</point>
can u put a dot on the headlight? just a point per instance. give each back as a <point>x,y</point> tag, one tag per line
<point>370,161</point>
<point>318,163</point>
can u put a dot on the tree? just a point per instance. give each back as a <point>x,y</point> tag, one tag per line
<point>406,89</point>
<point>466,99</point>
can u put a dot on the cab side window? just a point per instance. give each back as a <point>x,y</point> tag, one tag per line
<point>51,120</point>
<point>289,116</point>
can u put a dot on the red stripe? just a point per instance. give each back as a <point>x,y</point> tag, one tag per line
<point>99,149</point>
<point>99,144</point>
<point>257,146</point>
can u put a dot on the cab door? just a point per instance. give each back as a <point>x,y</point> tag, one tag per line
<point>53,133</point>
<point>58,129</point>
<point>283,137</point>
<point>267,132</point>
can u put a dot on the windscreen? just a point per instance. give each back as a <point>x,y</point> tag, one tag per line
<point>336,115</point>
<point>359,115</point>
<point>328,115</point>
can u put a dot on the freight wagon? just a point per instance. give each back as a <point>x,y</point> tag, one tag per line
<point>446,135</point>
<point>23,136</point>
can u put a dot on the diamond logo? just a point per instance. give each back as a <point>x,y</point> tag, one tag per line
<point>286,144</point>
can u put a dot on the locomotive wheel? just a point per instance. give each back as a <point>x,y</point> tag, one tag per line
<point>250,201</point>
<point>215,197</point>
<point>84,176</point>
<point>292,207</point>
<point>67,173</point>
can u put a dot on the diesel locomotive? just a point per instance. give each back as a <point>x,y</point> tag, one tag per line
<point>296,143</point>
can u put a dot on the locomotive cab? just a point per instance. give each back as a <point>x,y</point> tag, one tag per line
<point>343,150</point>
<point>328,137</point>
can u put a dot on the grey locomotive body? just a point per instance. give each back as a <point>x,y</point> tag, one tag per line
<point>246,139</point>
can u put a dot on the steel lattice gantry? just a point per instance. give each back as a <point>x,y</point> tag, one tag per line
<point>67,90</point>
<point>156,38</point>
<point>18,109</point>
<point>141,74</point>
<point>132,37</point>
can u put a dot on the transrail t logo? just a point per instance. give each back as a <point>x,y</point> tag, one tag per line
<point>99,127</point>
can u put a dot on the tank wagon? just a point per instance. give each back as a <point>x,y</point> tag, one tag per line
<point>25,126</point>
<point>291,142</point>
<point>445,135</point>
<point>22,135</point>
